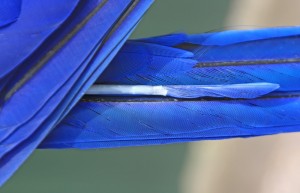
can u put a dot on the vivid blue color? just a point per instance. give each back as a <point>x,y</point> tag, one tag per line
<point>9,11</point>
<point>220,85</point>
<point>184,63</point>
<point>189,62</point>
<point>62,47</point>
<point>154,121</point>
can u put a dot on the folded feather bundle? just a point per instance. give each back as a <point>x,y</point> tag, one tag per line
<point>51,53</point>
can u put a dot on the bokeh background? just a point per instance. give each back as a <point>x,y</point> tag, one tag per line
<point>261,165</point>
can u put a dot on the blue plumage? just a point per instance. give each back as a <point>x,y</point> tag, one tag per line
<point>273,60</point>
<point>52,73</point>
<point>231,66</point>
<point>167,89</point>
<point>9,11</point>
<point>233,91</point>
<point>148,121</point>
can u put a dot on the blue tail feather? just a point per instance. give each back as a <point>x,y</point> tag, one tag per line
<point>9,11</point>
<point>117,123</point>
<point>185,65</point>
<point>237,91</point>
<point>215,85</point>
<point>73,69</point>
<point>274,60</point>
<point>224,37</point>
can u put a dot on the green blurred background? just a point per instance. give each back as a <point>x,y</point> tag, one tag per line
<point>155,169</point>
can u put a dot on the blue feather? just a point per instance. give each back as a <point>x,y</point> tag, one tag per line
<point>37,21</point>
<point>55,76</point>
<point>260,66</point>
<point>218,85</point>
<point>237,91</point>
<point>118,122</point>
<point>274,60</point>
<point>9,11</point>
<point>224,37</point>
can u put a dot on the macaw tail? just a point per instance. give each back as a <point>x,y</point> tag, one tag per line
<point>179,88</point>
<point>51,53</point>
